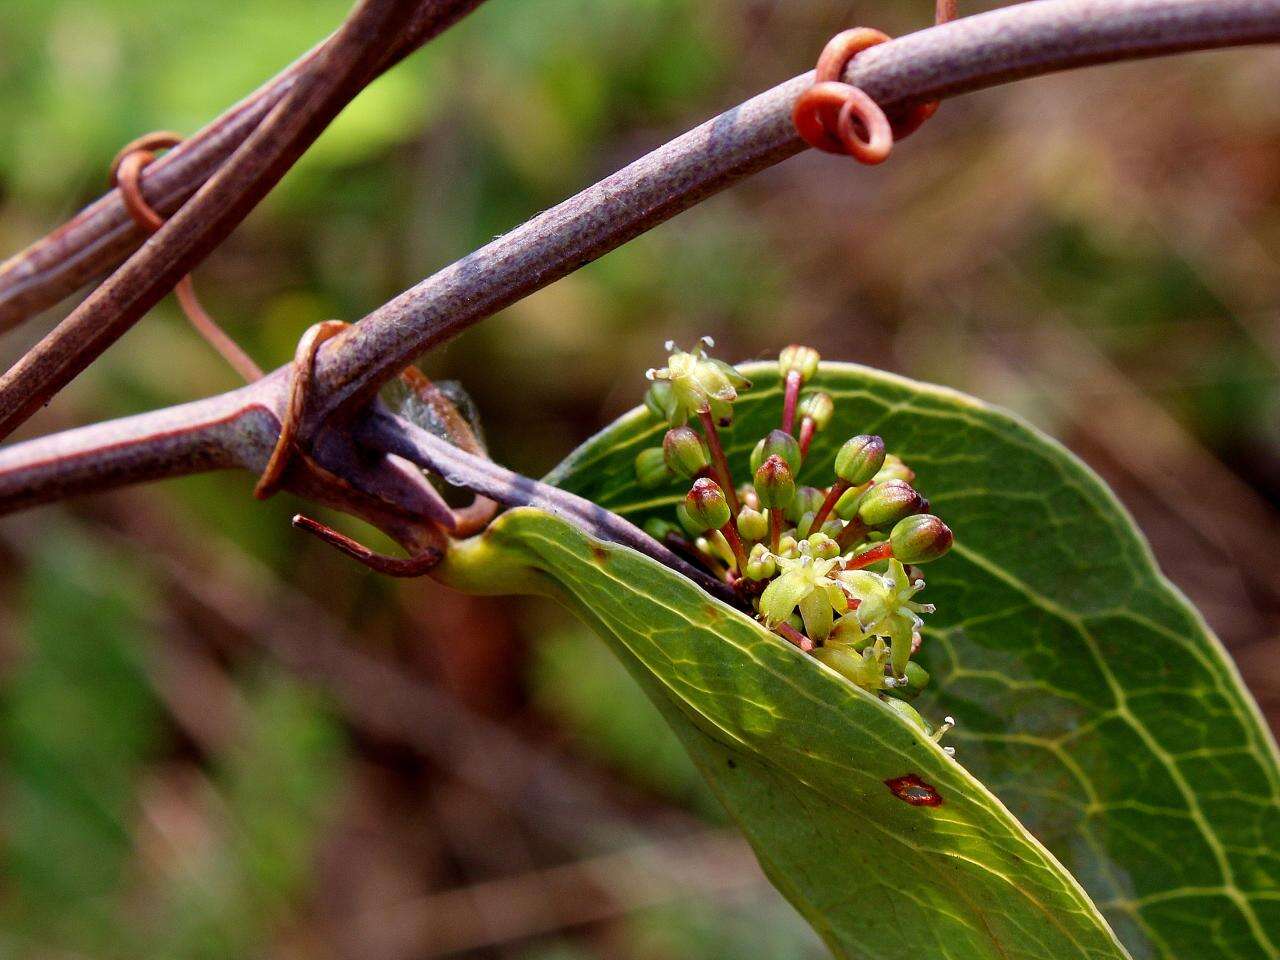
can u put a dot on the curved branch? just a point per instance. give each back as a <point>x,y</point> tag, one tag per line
<point>103,235</point>
<point>233,429</point>
<point>391,434</point>
<point>964,55</point>
<point>328,83</point>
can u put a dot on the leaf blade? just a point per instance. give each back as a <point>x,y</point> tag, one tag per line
<point>1054,621</point>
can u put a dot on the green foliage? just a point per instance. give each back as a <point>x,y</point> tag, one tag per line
<point>100,815</point>
<point>803,760</point>
<point>1090,695</point>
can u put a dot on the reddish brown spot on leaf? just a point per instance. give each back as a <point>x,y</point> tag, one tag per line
<point>914,791</point>
<point>599,553</point>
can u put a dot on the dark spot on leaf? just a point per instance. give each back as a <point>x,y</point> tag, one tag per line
<point>732,764</point>
<point>599,553</point>
<point>914,791</point>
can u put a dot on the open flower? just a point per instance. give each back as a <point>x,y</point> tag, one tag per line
<point>805,582</point>
<point>885,607</point>
<point>693,382</point>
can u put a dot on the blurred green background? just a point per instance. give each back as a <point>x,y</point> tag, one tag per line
<point>220,739</point>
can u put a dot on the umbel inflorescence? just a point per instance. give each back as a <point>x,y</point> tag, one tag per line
<point>833,570</point>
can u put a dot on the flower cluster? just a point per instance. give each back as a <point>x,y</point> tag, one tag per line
<point>831,569</point>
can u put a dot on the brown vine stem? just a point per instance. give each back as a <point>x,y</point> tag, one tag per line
<point>964,55</point>
<point>103,235</point>
<point>239,429</point>
<point>323,88</point>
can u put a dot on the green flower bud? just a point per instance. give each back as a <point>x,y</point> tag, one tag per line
<point>806,500</point>
<point>917,678</point>
<point>774,484</point>
<point>752,524</point>
<point>894,469</point>
<point>920,538</point>
<point>706,505</point>
<point>660,529</point>
<point>847,505</point>
<point>801,359</point>
<point>660,400</point>
<point>651,468</point>
<point>760,564</point>
<point>685,453</point>
<point>804,525</point>
<point>788,547</point>
<point>823,547</point>
<point>832,528</point>
<point>859,459</point>
<point>777,443</point>
<point>887,503</point>
<point>686,521</point>
<point>818,407</point>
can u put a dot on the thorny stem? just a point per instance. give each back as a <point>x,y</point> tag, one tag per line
<point>102,235</point>
<point>238,429</point>
<point>720,463</point>
<point>324,87</point>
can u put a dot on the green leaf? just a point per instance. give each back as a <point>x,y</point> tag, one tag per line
<point>1090,695</point>
<point>800,759</point>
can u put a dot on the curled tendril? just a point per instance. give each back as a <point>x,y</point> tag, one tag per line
<point>838,117</point>
<point>126,174</point>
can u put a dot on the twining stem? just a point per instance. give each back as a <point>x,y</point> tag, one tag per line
<point>881,551</point>
<point>792,394</point>
<point>833,497</point>
<point>720,465</point>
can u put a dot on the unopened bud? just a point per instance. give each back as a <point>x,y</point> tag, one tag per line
<point>801,359</point>
<point>777,443</point>
<point>706,505</point>
<point>760,564</point>
<point>894,469</point>
<point>915,679</point>
<point>752,524</point>
<point>887,503</point>
<point>806,500</point>
<point>909,713</point>
<point>847,505</point>
<point>774,484</point>
<point>651,468</point>
<point>660,400</point>
<point>686,521</point>
<point>859,459</point>
<point>685,453</point>
<point>920,538</point>
<point>818,407</point>
<point>823,547</point>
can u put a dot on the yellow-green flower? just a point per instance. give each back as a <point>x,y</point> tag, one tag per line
<point>885,607</point>
<point>805,583</point>
<point>693,382</point>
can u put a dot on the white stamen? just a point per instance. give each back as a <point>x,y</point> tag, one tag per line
<point>669,346</point>
<point>707,341</point>
<point>651,374</point>
<point>949,751</point>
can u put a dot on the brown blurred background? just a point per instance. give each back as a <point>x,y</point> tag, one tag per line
<point>222,739</point>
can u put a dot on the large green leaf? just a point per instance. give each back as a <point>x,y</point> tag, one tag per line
<point>800,758</point>
<point>1091,696</point>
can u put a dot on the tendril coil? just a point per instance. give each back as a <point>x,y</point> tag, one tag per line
<point>837,117</point>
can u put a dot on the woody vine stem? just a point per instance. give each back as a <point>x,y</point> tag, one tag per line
<point>355,450</point>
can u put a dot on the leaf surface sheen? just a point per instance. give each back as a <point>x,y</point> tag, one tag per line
<point>1091,697</point>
